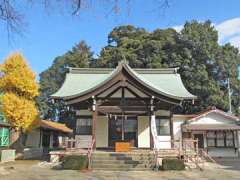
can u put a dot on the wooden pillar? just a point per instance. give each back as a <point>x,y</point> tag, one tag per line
<point>151,113</point>
<point>94,119</point>
<point>40,138</point>
<point>171,130</point>
<point>51,140</point>
<point>151,136</point>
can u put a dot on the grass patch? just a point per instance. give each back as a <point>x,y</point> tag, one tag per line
<point>75,162</point>
<point>173,164</point>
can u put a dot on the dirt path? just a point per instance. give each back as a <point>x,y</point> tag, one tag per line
<point>34,170</point>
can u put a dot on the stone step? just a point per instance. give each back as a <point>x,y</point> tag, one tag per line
<point>122,169</point>
<point>123,162</point>
<point>123,154</point>
<point>128,166</point>
<point>124,158</point>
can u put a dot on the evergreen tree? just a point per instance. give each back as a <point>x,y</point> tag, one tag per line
<point>52,79</point>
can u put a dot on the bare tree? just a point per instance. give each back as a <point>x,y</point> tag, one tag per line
<point>14,20</point>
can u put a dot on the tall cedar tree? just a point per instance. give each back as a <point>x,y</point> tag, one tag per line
<point>51,80</point>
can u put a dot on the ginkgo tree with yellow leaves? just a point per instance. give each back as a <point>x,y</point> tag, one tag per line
<point>19,87</point>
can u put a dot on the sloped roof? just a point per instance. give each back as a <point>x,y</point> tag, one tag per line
<point>217,111</point>
<point>46,124</point>
<point>80,81</point>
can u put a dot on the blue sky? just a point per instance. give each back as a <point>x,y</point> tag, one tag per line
<point>51,35</point>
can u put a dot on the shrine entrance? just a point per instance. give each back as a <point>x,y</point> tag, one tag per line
<point>122,128</point>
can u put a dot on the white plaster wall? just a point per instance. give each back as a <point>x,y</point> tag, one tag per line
<point>162,113</point>
<point>83,112</point>
<point>83,140</point>
<point>177,132</point>
<point>33,138</point>
<point>102,131</point>
<point>213,118</point>
<point>143,132</point>
<point>164,142</point>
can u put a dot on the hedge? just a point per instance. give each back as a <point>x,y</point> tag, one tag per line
<point>173,164</point>
<point>75,162</point>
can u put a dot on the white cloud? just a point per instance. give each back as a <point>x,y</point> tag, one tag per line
<point>228,31</point>
<point>178,28</point>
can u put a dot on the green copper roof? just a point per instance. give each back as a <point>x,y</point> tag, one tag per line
<point>80,81</point>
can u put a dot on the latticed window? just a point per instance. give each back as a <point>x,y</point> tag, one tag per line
<point>84,126</point>
<point>4,132</point>
<point>220,139</point>
<point>4,136</point>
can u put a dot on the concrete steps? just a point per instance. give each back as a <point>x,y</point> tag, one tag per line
<point>123,161</point>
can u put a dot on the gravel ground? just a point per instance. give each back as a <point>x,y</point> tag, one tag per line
<point>35,170</point>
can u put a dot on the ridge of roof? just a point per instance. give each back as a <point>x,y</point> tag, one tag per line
<point>109,70</point>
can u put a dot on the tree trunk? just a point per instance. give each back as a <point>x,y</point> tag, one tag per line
<point>18,140</point>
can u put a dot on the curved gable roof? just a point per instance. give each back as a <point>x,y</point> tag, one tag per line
<point>80,81</point>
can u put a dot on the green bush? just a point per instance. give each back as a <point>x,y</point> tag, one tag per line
<point>75,162</point>
<point>172,164</point>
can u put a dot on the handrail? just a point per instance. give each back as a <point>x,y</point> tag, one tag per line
<point>89,153</point>
<point>206,155</point>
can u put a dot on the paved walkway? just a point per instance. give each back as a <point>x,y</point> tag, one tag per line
<point>34,170</point>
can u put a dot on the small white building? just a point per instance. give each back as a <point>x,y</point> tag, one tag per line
<point>217,131</point>
<point>49,135</point>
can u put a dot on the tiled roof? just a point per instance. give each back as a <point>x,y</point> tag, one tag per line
<point>46,124</point>
<point>80,81</point>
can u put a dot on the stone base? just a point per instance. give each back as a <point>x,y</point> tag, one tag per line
<point>7,155</point>
<point>32,153</point>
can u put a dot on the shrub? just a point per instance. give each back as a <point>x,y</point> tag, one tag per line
<point>75,162</point>
<point>172,164</point>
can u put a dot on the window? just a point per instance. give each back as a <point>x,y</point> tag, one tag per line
<point>163,126</point>
<point>4,136</point>
<point>84,126</point>
<point>220,139</point>
<point>211,136</point>
<point>229,139</point>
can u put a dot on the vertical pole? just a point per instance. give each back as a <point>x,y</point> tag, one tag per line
<point>171,130</point>
<point>51,139</point>
<point>151,136</point>
<point>122,127</point>
<point>229,96</point>
<point>94,118</point>
<point>151,113</point>
<point>40,139</point>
